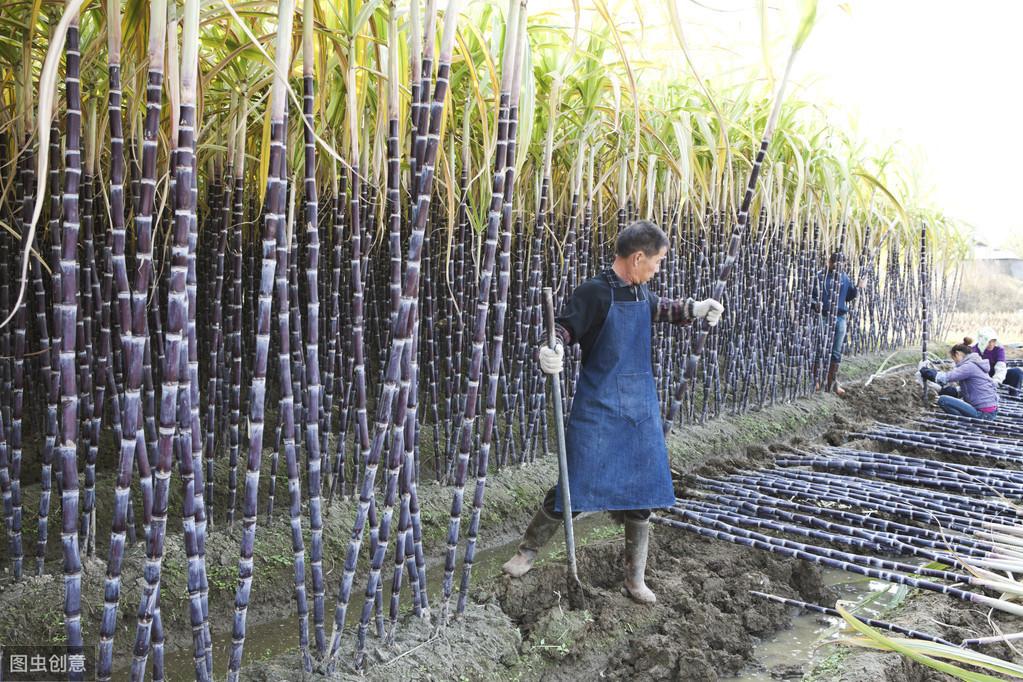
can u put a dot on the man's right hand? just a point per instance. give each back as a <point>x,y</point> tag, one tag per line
<point>708,309</point>
<point>552,360</point>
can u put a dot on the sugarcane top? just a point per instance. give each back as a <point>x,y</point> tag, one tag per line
<point>583,315</point>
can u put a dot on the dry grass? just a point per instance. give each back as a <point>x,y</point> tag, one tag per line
<point>990,293</point>
<point>988,300</point>
<point>1008,326</point>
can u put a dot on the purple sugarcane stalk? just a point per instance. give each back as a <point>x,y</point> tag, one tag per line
<point>500,307</point>
<point>287,434</point>
<point>924,327</point>
<point>89,298</point>
<point>53,387</point>
<point>890,627</point>
<point>66,315</point>
<point>483,302</point>
<point>178,421</point>
<point>237,296</point>
<point>275,191</point>
<point>701,330</point>
<point>12,495</point>
<point>401,344</point>
<point>195,537</point>
<point>312,348</point>
<point>132,398</point>
<point>875,573</point>
<point>403,535</point>
<point>358,378</point>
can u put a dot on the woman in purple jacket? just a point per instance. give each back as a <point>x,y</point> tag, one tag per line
<point>971,372</point>
<point>992,351</point>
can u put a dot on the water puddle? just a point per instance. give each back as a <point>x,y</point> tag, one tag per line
<point>792,652</point>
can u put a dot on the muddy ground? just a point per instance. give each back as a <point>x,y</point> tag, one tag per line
<point>703,627</point>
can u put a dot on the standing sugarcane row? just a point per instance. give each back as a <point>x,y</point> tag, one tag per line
<point>160,262</point>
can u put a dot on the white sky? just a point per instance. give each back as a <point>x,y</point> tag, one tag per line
<point>941,78</point>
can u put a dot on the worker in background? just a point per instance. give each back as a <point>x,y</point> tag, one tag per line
<point>846,294</point>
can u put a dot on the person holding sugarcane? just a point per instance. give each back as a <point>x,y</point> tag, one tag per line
<point>846,294</point>
<point>617,457</point>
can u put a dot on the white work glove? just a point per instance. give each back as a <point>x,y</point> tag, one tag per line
<point>552,360</point>
<point>709,309</point>
<point>1000,371</point>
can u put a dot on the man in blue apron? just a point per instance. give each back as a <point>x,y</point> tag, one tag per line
<point>617,459</point>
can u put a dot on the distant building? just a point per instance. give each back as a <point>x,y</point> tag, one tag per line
<point>990,260</point>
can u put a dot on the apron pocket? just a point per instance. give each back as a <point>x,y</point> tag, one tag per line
<point>633,400</point>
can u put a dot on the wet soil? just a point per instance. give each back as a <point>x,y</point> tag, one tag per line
<point>704,624</point>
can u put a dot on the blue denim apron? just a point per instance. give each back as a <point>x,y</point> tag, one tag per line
<point>617,458</point>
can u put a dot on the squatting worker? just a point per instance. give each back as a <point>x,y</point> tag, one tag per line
<point>617,459</point>
<point>979,395</point>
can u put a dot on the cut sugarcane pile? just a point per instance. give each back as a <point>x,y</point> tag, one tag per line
<point>951,527</point>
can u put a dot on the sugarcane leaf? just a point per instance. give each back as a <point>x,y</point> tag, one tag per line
<point>527,109</point>
<point>47,93</point>
<point>969,657</point>
<point>764,49</point>
<point>874,182</point>
<point>264,155</point>
<point>363,17</point>
<point>806,23</point>
<point>953,653</point>
<point>898,645</point>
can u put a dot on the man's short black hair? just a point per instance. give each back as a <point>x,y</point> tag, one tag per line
<point>641,235</point>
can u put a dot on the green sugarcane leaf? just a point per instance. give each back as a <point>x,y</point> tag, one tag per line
<point>527,109</point>
<point>805,24</point>
<point>264,155</point>
<point>943,651</point>
<point>969,657</point>
<point>364,15</point>
<point>898,645</point>
<point>874,182</point>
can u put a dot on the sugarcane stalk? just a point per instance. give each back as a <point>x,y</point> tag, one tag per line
<point>878,574</point>
<point>483,302</point>
<point>257,393</point>
<point>890,627</point>
<point>500,308</point>
<point>924,326</point>
<point>401,345</point>
<point>12,491</point>
<point>701,330</point>
<point>312,353</point>
<point>66,315</point>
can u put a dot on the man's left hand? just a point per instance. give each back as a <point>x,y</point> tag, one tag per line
<point>708,309</point>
